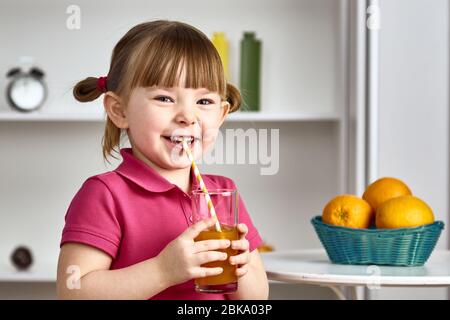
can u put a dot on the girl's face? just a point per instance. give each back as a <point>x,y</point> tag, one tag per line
<point>156,116</point>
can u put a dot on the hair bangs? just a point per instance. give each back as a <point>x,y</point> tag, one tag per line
<point>164,59</point>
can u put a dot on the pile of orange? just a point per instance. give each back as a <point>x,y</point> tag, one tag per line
<point>388,203</point>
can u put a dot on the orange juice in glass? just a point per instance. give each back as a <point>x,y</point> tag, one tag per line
<point>225,202</point>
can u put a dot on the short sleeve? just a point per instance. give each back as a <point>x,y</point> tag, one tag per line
<point>252,236</point>
<point>91,218</point>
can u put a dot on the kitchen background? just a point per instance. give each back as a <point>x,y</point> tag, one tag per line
<point>307,92</point>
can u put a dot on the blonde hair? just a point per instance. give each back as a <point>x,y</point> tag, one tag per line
<point>150,54</point>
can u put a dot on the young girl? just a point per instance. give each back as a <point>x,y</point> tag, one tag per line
<point>129,232</point>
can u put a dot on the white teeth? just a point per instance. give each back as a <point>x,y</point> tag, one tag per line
<point>180,139</point>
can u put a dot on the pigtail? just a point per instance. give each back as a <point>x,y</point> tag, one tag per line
<point>90,89</point>
<point>233,97</point>
<point>87,90</point>
<point>111,140</point>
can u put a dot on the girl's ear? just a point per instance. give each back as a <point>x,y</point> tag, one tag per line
<point>225,109</point>
<point>115,109</point>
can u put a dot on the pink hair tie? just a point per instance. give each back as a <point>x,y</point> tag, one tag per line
<point>101,84</point>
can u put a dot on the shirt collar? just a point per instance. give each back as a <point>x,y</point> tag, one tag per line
<point>145,176</point>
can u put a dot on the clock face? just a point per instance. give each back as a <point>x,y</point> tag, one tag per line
<point>27,93</point>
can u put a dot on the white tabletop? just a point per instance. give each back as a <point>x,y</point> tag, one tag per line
<point>313,267</point>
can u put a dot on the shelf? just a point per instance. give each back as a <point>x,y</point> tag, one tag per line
<point>44,272</point>
<point>41,116</point>
<point>9,116</point>
<point>286,116</point>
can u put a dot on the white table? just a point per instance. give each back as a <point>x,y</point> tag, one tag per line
<point>313,267</point>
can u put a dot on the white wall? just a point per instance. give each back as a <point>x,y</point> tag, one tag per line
<point>414,117</point>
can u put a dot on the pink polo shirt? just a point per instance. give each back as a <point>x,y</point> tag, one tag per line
<point>133,212</point>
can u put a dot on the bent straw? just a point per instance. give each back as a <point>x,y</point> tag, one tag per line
<point>202,184</point>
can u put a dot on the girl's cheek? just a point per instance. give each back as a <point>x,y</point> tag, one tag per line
<point>206,146</point>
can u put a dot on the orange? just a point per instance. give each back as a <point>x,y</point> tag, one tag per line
<point>403,212</point>
<point>347,211</point>
<point>384,189</point>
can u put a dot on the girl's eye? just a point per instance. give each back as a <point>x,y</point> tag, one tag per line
<point>206,102</point>
<point>163,99</point>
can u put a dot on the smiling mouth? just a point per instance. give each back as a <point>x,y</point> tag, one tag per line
<point>177,140</point>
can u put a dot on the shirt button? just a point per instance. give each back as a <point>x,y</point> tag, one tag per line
<point>190,218</point>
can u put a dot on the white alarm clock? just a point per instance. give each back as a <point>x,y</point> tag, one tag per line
<point>26,91</point>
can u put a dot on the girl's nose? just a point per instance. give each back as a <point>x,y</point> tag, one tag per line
<point>186,116</point>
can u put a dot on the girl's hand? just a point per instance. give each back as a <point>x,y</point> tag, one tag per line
<point>182,258</point>
<point>243,258</point>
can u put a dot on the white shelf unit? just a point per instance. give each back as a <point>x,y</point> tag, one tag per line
<point>305,94</point>
<point>38,272</point>
<point>234,117</point>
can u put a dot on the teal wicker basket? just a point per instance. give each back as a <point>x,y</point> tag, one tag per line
<point>394,247</point>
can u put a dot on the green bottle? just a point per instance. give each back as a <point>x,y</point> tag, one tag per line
<point>250,72</point>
